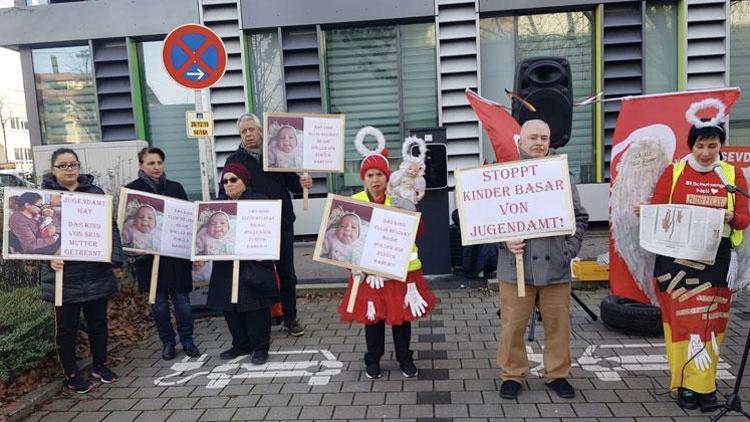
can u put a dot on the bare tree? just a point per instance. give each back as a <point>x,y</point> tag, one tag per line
<point>5,116</point>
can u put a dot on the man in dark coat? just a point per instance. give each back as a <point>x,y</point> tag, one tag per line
<point>175,274</point>
<point>274,185</point>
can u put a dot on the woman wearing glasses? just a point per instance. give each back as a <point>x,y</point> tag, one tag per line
<point>175,274</point>
<point>249,319</point>
<point>87,286</point>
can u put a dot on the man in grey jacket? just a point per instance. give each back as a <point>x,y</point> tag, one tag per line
<point>547,273</point>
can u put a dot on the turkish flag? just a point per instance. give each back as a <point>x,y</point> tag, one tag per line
<point>665,119</point>
<point>503,130</point>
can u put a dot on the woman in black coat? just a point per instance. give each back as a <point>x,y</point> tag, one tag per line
<point>175,276</point>
<point>87,286</point>
<point>249,320</point>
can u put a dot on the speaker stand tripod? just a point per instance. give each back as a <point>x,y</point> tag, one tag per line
<point>734,403</point>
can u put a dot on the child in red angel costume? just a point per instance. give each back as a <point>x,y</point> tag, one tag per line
<point>381,301</point>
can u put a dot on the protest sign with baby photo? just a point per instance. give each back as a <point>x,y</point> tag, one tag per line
<point>155,224</point>
<point>368,237</point>
<point>303,142</point>
<point>46,225</point>
<point>236,230</point>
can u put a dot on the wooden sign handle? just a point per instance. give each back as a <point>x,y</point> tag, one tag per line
<point>305,193</point>
<point>154,279</point>
<point>353,295</point>
<point>520,279</point>
<point>235,280</point>
<point>58,287</point>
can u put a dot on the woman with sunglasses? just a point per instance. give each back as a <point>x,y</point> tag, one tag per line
<point>249,320</point>
<point>175,274</point>
<point>87,286</point>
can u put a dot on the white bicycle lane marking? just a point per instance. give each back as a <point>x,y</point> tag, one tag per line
<point>319,372</point>
<point>607,368</point>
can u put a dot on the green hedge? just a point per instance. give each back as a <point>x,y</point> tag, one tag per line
<point>26,331</point>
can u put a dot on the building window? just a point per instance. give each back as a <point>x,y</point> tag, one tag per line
<point>165,104</point>
<point>267,76</point>
<point>739,71</point>
<point>381,76</point>
<point>66,95</point>
<point>18,123</point>
<point>22,154</point>
<point>507,40</point>
<point>660,45</point>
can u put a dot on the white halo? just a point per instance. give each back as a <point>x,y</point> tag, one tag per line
<point>360,138</point>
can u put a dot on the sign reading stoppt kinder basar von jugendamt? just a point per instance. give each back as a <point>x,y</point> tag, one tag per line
<point>515,200</point>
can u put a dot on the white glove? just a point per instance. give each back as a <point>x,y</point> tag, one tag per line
<point>414,300</point>
<point>714,343</point>
<point>698,353</point>
<point>370,311</point>
<point>375,281</point>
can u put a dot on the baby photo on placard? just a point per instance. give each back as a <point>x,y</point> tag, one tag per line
<point>142,226</point>
<point>345,232</point>
<point>216,224</point>
<point>303,142</point>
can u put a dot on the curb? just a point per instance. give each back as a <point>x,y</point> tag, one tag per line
<point>29,402</point>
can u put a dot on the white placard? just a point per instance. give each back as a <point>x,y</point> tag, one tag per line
<point>372,238</point>
<point>516,200</point>
<point>236,230</point>
<point>303,142</point>
<point>155,224</point>
<point>255,229</point>
<point>45,225</point>
<point>681,231</point>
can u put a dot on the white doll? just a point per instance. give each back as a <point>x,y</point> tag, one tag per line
<point>407,184</point>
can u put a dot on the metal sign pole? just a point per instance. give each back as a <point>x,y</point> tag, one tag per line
<point>202,151</point>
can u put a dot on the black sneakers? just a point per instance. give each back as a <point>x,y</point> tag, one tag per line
<point>294,328</point>
<point>408,369</point>
<point>233,353</point>
<point>259,357</point>
<point>708,402</point>
<point>78,384</point>
<point>509,389</point>
<point>373,371</point>
<point>104,374</point>
<point>562,387</point>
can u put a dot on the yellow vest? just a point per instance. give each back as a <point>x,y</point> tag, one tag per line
<point>414,263</point>
<point>735,236</point>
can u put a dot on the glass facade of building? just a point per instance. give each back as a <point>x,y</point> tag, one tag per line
<point>66,95</point>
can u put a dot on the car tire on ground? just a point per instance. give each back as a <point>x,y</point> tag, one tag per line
<point>631,317</point>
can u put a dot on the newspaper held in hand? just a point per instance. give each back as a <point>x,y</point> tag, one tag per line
<point>682,231</point>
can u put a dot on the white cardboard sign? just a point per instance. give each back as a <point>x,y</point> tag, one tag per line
<point>515,200</point>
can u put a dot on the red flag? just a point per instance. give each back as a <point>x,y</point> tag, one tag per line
<point>500,126</point>
<point>666,111</point>
<point>663,118</point>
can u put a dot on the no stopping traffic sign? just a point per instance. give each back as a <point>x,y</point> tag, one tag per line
<point>194,56</point>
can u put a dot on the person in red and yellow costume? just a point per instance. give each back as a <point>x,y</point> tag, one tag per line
<point>381,301</point>
<point>695,321</point>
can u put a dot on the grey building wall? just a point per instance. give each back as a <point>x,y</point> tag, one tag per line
<point>280,13</point>
<point>87,20</point>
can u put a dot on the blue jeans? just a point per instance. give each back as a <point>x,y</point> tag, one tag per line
<point>183,314</point>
